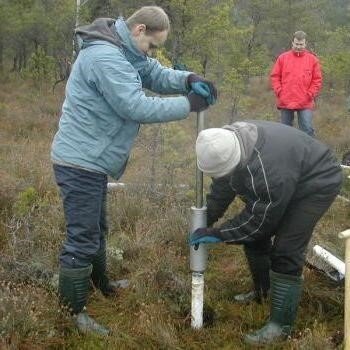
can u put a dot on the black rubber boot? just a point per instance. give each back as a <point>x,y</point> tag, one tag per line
<point>285,295</point>
<point>73,288</point>
<point>99,276</point>
<point>259,265</point>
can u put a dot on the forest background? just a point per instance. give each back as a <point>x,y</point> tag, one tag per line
<point>232,42</point>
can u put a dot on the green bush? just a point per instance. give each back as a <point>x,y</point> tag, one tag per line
<point>27,199</point>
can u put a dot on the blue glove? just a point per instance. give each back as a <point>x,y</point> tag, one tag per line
<point>205,235</point>
<point>203,87</point>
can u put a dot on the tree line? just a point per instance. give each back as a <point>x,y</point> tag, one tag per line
<point>228,40</point>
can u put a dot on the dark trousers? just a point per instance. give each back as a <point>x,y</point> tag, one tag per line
<point>84,202</point>
<point>288,247</point>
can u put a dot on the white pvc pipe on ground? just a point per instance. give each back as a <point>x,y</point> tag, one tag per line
<point>197,300</point>
<point>330,259</point>
<point>113,185</point>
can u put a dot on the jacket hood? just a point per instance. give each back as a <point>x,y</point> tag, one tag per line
<point>115,32</point>
<point>247,134</point>
<point>99,29</point>
<point>126,38</point>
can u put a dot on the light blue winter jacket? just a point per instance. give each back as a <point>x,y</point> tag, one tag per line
<point>105,103</point>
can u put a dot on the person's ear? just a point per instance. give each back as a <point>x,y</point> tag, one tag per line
<point>138,29</point>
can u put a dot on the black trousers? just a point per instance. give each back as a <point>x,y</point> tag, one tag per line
<point>84,202</point>
<point>287,247</point>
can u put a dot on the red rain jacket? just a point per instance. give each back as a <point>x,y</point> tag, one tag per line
<point>296,79</point>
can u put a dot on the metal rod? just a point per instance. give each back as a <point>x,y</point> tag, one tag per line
<point>199,174</point>
<point>77,13</point>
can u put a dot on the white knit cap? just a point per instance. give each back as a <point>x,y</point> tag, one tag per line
<point>218,152</point>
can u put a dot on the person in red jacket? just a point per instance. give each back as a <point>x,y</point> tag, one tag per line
<point>296,79</point>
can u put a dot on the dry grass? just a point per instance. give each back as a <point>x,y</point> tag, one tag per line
<point>147,241</point>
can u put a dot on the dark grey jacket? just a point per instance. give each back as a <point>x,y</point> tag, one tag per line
<point>279,165</point>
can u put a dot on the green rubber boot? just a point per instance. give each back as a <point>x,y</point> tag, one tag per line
<point>73,288</point>
<point>259,265</point>
<point>100,279</point>
<point>285,295</point>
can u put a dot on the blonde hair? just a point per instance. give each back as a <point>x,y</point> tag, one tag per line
<point>153,17</point>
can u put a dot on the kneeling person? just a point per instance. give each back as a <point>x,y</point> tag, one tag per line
<point>287,181</point>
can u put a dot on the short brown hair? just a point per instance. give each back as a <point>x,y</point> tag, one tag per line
<point>299,35</point>
<point>153,17</point>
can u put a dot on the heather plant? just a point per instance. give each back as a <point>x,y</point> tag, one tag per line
<point>26,202</point>
<point>28,315</point>
<point>147,242</point>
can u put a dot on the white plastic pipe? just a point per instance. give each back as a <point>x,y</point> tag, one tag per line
<point>114,185</point>
<point>198,264</point>
<point>330,259</point>
<point>197,300</point>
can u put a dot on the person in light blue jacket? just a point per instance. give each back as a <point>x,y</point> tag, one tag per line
<point>101,115</point>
